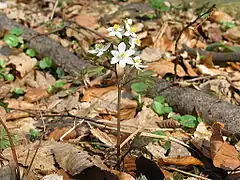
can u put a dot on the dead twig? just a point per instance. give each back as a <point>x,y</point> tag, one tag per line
<point>14,154</point>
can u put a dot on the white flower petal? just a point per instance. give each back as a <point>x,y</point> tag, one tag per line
<point>127,33</point>
<point>106,47</point>
<point>118,34</point>
<point>129,60</point>
<point>100,53</point>
<point>110,29</point>
<point>129,21</point>
<point>112,33</point>
<point>122,63</point>
<point>115,53</point>
<point>121,47</point>
<point>114,60</point>
<point>130,52</point>
<point>94,51</point>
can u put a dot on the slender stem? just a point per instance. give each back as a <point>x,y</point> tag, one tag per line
<point>118,118</point>
<point>14,153</point>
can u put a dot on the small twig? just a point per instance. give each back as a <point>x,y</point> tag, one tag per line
<point>160,33</point>
<point>191,23</point>
<point>14,154</point>
<point>34,156</point>
<point>70,130</point>
<point>130,137</point>
<point>87,29</point>
<point>187,173</point>
<point>54,9</point>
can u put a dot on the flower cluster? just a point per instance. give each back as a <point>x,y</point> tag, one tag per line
<point>124,53</point>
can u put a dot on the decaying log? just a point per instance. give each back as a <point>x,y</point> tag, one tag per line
<point>189,101</point>
<point>45,46</point>
<point>217,57</point>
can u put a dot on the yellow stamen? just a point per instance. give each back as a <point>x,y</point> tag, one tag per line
<point>133,29</point>
<point>116,27</point>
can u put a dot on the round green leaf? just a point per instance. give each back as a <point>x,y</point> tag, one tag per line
<point>8,77</point>
<point>2,63</point>
<point>31,52</point>
<point>11,40</point>
<point>16,31</point>
<point>18,91</point>
<point>45,63</point>
<point>59,84</point>
<point>60,72</point>
<point>189,121</point>
<point>139,87</point>
<point>159,99</point>
<point>158,107</point>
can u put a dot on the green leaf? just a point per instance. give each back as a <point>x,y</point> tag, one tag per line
<point>16,31</point>
<point>167,145</point>
<point>4,105</point>
<point>50,89</point>
<point>139,87</point>
<point>31,52</point>
<point>159,99</point>
<point>189,121</point>
<point>167,110</point>
<point>18,91</point>
<point>34,134</point>
<point>8,77</point>
<point>45,63</point>
<point>159,5</point>
<point>176,117</point>
<point>160,133</point>
<point>59,84</point>
<point>60,72</point>
<point>2,63</point>
<point>11,40</point>
<point>158,107</point>
<point>227,25</point>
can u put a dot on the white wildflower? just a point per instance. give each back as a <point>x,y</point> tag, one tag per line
<point>122,56</point>
<point>134,41</point>
<point>115,31</point>
<point>138,63</point>
<point>131,31</point>
<point>99,49</point>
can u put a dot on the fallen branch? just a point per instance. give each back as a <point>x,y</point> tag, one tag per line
<point>190,101</point>
<point>45,46</point>
<point>217,57</point>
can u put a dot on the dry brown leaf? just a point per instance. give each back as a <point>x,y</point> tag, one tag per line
<point>207,61</point>
<point>87,21</point>
<point>74,160</point>
<point>220,16</point>
<point>18,104</point>
<point>224,155</point>
<point>233,34</point>
<point>182,161</point>
<point>190,70</point>
<point>35,94</point>
<point>103,137</point>
<point>151,54</point>
<point>164,44</point>
<point>215,34</point>
<point>107,104</point>
<point>163,67</point>
<point>16,115</point>
<point>57,133</point>
<point>44,159</point>
<point>23,63</point>
<point>92,93</point>
<point>208,71</point>
<point>122,175</point>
